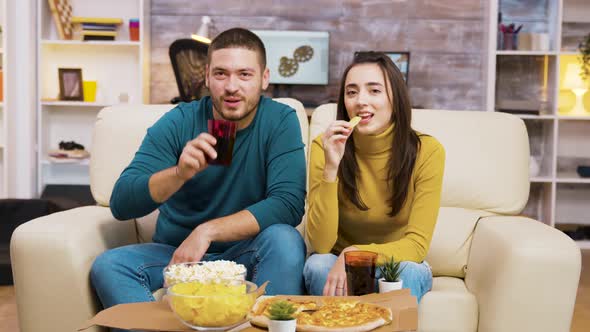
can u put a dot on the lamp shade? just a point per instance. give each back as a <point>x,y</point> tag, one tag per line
<point>572,79</point>
<point>202,34</point>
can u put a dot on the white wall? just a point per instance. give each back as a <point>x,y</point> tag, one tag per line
<point>21,160</point>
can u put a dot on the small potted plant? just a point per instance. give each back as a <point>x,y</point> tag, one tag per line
<point>281,317</point>
<point>390,276</point>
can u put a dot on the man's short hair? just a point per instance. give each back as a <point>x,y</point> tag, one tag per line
<point>238,38</point>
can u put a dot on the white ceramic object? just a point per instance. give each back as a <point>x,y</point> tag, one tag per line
<point>282,325</point>
<point>386,286</point>
<point>534,167</point>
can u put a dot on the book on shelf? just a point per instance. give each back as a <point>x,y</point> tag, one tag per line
<point>99,27</point>
<point>95,35</point>
<point>96,20</point>
<point>95,28</point>
<point>81,33</point>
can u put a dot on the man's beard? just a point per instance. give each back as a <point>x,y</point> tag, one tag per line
<point>231,115</point>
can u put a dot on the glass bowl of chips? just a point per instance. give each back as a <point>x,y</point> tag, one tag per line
<point>212,306</point>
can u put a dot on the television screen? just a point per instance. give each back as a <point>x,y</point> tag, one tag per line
<point>400,59</point>
<point>296,57</point>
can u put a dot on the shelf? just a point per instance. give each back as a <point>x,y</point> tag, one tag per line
<point>574,117</point>
<point>74,173</point>
<point>72,162</point>
<point>81,181</point>
<point>571,177</point>
<point>536,117</point>
<point>569,53</point>
<point>526,53</point>
<point>584,244</point>
<point>541,179</point>
<point>73,104</point>
<point>89,43</point>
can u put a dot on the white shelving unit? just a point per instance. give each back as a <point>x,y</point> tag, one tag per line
<point>558,196</point>
<point>3,110</point>
<point>120,67</point>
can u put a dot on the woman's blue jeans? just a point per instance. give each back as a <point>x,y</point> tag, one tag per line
<point>416,277</point>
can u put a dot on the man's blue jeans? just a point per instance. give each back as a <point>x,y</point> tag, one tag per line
<point>131,273</point>
<point>416,277</point>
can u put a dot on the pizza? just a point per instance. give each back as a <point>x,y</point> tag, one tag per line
<point>330,314</point>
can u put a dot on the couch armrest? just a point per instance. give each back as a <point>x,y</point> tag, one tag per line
<point>51,259</point>
<point>524,275</point>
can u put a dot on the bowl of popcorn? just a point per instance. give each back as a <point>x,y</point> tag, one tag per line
<point>212,306</point>
<point>215,272</point>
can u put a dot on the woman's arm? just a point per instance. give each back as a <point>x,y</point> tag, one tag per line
<point>322,216</point>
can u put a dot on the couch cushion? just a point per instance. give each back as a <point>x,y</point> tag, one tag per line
<point>487,156</point>
<point>118,133</point>
<point>448,307</point>
<point>451,241</point>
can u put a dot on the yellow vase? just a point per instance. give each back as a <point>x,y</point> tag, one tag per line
<point>89,88</point>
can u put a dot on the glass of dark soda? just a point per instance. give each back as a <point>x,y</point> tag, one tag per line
<point>225,133</point>
<point>360,272</point>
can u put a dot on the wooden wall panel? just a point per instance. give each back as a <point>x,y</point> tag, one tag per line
<point>446,39</point>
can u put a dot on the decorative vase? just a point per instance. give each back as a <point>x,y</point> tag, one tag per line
<point>282,325</point>
<point>534,167</point>
<point>386,286</point>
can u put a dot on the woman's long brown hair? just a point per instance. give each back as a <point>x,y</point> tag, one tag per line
<point>405,144</point>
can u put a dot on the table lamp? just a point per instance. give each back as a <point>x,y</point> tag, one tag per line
<point>574,82</point>
<point>202,34</point>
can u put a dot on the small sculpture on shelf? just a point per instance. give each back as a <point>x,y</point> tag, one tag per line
<point>61,11</point>
<point>69,152</point>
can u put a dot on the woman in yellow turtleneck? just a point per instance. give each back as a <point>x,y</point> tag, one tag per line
<point>375,187</point>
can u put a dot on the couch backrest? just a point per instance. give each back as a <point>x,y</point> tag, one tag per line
<point>118,133</point>
<point>487,156</point>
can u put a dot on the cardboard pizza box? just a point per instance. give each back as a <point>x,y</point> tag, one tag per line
<point>157,316</point>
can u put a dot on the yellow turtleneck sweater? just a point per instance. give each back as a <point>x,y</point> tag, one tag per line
<point>334,223</point>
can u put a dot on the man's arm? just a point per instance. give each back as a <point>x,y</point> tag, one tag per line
<point>285,180</point>
<point>163,163</point>
<point>159,150</point>
<point>238,226</point>
<point>164,184</point>
<point>192,161</point>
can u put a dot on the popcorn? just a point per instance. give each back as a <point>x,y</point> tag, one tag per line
<point>205,272</point>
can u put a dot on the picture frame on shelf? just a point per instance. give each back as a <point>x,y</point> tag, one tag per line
<point>70,84</point>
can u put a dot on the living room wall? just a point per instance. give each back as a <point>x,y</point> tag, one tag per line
<point>445,38</point>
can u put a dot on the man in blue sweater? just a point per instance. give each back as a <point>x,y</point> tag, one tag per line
<point>244,212</point>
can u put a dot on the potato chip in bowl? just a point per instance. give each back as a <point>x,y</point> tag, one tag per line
<point>212,305</point>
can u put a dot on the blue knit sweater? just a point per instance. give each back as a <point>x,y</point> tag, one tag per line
<point>266,175</point>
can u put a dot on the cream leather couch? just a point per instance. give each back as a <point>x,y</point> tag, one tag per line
<point>493,271</point>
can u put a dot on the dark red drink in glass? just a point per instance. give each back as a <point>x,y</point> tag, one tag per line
<point>225,133</point>
<point>360,272</point>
